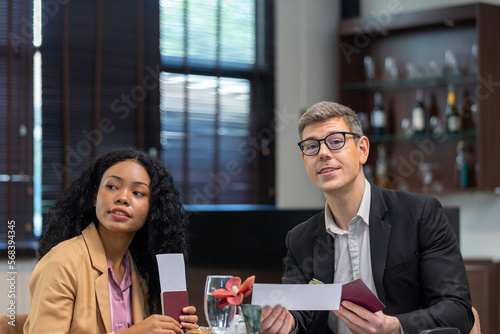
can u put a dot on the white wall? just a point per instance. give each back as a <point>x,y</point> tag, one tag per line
<point>306,73</point>
<point>19,292</point>
<point>479,223</point>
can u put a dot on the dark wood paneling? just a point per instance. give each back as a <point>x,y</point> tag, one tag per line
<point>488,95</point>
<point>388,21</point>
<point>484,282</point>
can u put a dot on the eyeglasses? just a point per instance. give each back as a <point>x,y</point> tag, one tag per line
<point>334,141</point>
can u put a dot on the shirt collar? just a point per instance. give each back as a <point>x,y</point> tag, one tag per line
<point>127,278</point>
<point>363,213</point>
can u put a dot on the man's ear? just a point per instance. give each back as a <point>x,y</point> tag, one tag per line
<point>364,149</point>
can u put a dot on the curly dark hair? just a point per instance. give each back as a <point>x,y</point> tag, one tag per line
<point>165,230</point>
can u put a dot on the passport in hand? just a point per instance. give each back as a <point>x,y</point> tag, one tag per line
<point>172,303</point>
<point>357,292</point>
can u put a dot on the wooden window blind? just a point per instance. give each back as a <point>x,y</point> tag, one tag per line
<point>100,72</point>
<point>16,126</point>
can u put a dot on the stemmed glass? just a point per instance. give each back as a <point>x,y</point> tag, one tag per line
<point>450,62</point>
<point>219,318</point>
<point>369,68</point>
<point>425,169</point>
<point>391,68</point>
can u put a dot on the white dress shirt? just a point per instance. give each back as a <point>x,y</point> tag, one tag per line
<point>352,252</point>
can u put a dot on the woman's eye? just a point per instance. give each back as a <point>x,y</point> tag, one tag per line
<point>137,193</point>
<point>110,186</point>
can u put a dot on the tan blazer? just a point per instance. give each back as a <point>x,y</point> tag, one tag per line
<point>69,289</point>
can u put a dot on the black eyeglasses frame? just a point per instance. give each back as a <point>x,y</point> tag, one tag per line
<point>324,140</point>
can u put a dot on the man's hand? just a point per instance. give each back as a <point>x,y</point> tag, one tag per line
<point>361,320</point>
<point>276,320</point>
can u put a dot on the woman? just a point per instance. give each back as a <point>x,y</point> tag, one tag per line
<point>97,271</point>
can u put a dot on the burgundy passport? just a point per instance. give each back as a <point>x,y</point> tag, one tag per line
<point>357,292</point>
<point>172,303</point>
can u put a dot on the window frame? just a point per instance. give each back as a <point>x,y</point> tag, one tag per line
<point>262,100</point>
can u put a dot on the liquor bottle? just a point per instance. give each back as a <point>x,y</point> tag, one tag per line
<point>461,166</point>
<point>381,174</point>
<point>453,119</point>
<point>418,114</point>
<point>379,117</point>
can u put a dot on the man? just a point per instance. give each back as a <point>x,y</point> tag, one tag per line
<point>399,244</point>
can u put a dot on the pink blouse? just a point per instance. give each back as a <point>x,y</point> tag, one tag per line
<point>119,297</point>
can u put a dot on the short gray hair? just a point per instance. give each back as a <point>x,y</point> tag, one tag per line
<point>325,110</point>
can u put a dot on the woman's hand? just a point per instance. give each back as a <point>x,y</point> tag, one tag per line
<point>189,319</point>
<point>155,324</point>
<point>163,324</point>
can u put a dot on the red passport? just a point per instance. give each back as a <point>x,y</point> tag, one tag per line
<point>357,292</point>
<point>172,303</point>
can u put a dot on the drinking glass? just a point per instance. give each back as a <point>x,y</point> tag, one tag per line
<point>437,126</point>
<point>475,56</point>
<point>219,318</point>
<point>391,68</point>
<point>433,68</point>
<point>450,62</point>
<point>364,119</point>
<point>426,176</point>
<point>411,71</point>
<point>406,126</point>
<point>369,68</point>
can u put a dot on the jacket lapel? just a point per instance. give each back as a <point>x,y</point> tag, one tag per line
<point>323,261</point>
<point>98,259</point>
<point>380,232</point>
<point>323,270</point>
<point>138,288</point>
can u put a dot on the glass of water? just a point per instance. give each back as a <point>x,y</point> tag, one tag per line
<point>219,318</point>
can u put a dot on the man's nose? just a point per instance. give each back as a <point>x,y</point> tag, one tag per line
<point>324,151</point>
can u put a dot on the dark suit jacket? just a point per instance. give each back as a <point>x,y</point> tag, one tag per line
<point>417,267</point>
